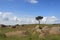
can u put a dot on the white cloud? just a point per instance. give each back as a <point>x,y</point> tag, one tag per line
<point>49,20</point>
<point>5,16</point>
<point>16,19</point>
<point>9,18</point>
<point>33,1</point>
<point>0,13</point>
<point>44,20</point>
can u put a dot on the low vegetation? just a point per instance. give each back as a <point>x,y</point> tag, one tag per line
<point>27,31</point>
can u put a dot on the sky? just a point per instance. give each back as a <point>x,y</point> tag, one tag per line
<point>25,11</point>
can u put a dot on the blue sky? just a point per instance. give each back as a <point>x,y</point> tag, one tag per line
<point>31,8</point>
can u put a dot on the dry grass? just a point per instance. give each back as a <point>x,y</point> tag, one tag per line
<point>28,30</point>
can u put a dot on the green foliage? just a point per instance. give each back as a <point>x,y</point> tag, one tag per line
<point>39,17</point>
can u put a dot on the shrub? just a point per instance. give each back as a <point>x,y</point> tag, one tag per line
<point>13,26</point>
<point>3,25</point>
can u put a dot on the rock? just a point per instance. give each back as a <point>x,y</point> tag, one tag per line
<point>45,29</point>
<point>17,33</point>
<point>44,32</point>
<point>38,30</point>
<point>37,27</point>
<point>55,30</point>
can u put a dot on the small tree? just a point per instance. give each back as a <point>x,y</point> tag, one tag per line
<point>38,18</point>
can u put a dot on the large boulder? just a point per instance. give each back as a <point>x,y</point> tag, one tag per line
<point>46,29</point>
<point>37,27</point>
<point>44,32</point>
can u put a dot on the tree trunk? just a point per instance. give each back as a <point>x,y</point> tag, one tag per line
<point>39,25</point>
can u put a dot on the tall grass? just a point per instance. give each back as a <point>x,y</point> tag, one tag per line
<point>29,37</point>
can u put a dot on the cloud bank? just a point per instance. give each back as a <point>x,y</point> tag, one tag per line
<point>33,1</point>
<point>8,18</point>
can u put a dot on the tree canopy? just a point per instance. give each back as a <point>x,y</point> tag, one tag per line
<point>39,17</point>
